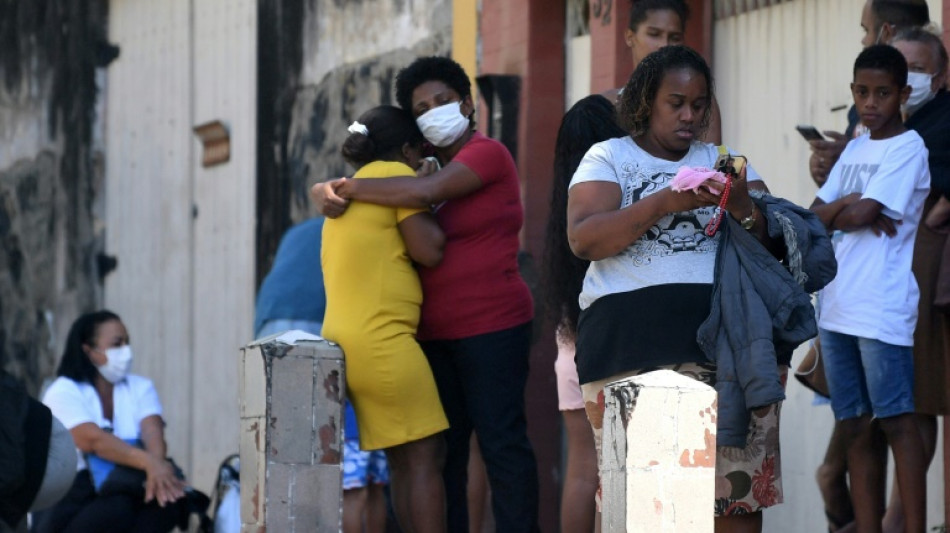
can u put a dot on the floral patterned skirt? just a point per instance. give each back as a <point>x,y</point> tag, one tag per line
<point>748,479</point>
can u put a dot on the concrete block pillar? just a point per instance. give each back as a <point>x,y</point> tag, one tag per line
<point>659,454</point>
<point>291,437</point>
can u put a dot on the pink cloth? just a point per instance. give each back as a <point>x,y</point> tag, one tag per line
<point>688,179</point>
<point>569,397</point>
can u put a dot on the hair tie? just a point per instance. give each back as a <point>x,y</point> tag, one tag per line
<point>356,127</point>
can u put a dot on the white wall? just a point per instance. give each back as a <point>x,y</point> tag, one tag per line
<point>777,67</point>
<point>184,284</point>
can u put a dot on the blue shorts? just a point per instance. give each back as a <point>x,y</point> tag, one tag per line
<point>867,376</point>
<point>362,468</point>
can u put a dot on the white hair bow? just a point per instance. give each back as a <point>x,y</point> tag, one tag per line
<point>356,127</point>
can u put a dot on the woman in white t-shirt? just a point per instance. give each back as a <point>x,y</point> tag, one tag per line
<point>649,284</point>
<point>124,482</point>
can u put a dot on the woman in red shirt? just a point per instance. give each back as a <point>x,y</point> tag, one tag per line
<point>476,309</point>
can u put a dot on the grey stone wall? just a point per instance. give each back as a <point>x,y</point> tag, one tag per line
<point>329,61</point>
<point>49,176</point>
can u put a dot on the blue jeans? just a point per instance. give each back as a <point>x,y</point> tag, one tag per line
<point>867,376</point>
<point>481,383</point>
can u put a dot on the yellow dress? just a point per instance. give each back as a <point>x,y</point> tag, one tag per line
<point>373,301</point>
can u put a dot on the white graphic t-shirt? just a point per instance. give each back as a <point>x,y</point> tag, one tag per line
<point>875,294</point>
<point>675,249</point>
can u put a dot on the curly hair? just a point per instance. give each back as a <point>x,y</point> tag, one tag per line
<point>388,129</point>
<point>589,121</point>
<point>432,68</point>
<point>640,9</point>
<point>636,101</point>
<point>886,58</point>
<point>75,364</point>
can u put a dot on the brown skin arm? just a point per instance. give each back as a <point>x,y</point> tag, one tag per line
<point>160,483</point>
<point>824,155</point>
<point>827,212</point>
<point>864,213</point>
<point>597,228</point>
<point>851,213</point>
<point>424,239</point>
<point>325,199</point>
<point>938,219</point>
<point>455,180</point>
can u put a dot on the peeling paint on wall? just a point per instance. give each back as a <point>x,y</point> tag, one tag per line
<point>49,51</point>
<point>349,54</point>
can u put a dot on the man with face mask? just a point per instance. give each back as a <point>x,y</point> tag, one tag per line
<point>880,20</point>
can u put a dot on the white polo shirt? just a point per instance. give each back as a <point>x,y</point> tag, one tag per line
<point>133,399</point>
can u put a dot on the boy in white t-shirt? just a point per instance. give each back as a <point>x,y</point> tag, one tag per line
<point>873,201</point>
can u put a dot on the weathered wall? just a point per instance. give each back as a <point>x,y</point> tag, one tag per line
<point>50,176</point>
<point>351,51</point>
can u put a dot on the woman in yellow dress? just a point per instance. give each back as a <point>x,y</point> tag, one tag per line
<point>373,303</point>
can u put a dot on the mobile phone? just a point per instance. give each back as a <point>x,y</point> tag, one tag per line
<point>810,133</point>
<point>730,164</point>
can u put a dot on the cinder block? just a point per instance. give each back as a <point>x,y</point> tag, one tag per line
<point>659,452</point>
<point>291,451</point>
<point>317,492</point>
<point>253,381</point>
<point>280,486</point>
<point>290,417</point>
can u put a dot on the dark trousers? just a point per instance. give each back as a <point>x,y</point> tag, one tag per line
<point>481,383</point>
<point>83,511</point>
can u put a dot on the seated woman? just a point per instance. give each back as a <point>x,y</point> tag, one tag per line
<point>373,305</point>
<point>116,421</point>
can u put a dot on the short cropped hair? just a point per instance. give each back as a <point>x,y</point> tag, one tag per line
<point>885,58</point>
<point>901,13</point>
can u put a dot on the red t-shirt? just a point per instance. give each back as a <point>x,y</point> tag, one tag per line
<point>477,288</point>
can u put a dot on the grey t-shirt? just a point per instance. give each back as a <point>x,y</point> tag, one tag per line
<point>675,249</point>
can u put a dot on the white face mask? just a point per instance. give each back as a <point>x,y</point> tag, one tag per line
<point>920,91</point>
<point>443,125</point>
<point>118,362</point>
